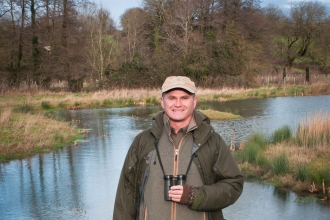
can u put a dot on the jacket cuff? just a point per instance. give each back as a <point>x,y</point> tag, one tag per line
<point>196,201</point>
<point>187,197</point>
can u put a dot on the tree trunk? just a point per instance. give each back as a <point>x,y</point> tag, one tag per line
<point>17,73</point>
<point>307,74</point>
<point>284,74</point>
<point>35,50</point>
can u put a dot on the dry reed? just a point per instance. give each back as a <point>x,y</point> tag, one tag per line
<point>307,154</point>
<point>314,131</point>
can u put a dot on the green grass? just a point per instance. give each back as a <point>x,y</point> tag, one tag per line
<point>280,164</point>
<point>259,139</point>
<point>152,100</point>
<point>62,105</point>
<point>302,172</point>
<point>46,105</point>
<point>24,109</point>
<point>253,150</point>
<point>281,134</point>
<point>216,115</point>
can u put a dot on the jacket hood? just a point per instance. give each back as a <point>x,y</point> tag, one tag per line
<point>200,134</point>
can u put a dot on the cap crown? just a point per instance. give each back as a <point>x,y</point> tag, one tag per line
<point>181,82</point>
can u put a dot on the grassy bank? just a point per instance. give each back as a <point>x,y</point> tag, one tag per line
<point>41,102</point>
<point>22,134</point>
<point>297,160</point>
<point>137,97</point>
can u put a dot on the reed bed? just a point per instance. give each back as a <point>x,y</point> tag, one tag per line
<point>22,134</point>
<point>314,131</point>
<point>300,161</point>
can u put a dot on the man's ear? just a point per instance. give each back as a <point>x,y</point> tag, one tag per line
<point>195,101</point>
<point>162,102</point>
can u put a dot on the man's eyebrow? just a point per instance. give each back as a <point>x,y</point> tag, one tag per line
<point>182,96</point>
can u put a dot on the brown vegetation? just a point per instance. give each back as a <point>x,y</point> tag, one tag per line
<point>74,46</point>
<point>301,162</point>
<point>22,134</point>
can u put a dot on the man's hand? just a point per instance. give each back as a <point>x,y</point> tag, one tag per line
<point>175,193</point>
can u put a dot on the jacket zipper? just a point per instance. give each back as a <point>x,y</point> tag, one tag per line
<point>175,172</point>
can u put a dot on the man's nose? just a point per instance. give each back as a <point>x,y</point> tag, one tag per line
<point>178,102</point>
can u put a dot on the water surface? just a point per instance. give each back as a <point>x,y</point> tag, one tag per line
<point>80,182</point>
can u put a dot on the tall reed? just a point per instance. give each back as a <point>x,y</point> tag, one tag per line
<point>314,131</point>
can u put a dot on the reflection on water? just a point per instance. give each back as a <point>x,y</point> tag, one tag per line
<point>80,182</point>
<point>267,115</point>
<point>264,202</point>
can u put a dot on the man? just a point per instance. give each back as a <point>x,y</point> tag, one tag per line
<point>181,144</point>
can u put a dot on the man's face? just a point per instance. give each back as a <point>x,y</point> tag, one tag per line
<point>179,106</point>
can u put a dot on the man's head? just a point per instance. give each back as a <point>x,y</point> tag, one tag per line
<point>179,100</point>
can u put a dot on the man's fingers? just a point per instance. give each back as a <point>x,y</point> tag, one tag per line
<point>177,187</point>
<point>175,193</point>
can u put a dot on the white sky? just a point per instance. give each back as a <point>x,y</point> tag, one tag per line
<point>118,7</point>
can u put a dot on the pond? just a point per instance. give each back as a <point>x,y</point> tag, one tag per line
<point>79,182</point>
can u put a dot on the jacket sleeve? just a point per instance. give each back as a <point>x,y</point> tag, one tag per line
<point>125,202</point>
<point>227,180</point>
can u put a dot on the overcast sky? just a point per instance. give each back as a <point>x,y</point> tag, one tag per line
<point>118,7</point>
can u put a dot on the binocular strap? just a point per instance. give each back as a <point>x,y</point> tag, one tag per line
<point>161,164</point>
<point>146,174</point>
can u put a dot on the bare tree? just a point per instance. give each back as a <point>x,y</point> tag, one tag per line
<point>133,22</point>
<point>101,52</point>
<point>4,7</point>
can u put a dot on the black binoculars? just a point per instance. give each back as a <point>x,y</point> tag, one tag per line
<point>170,180</point>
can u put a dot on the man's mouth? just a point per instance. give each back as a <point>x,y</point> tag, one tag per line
<point>178,110</point>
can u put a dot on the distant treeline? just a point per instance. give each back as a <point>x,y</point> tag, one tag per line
<point>218,43</point>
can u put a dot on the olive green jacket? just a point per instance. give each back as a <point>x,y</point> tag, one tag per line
<point>223,181</point>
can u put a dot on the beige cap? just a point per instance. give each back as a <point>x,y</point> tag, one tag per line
<point>182,82</point>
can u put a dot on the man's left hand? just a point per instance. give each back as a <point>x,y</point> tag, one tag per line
<point>176,193</point>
